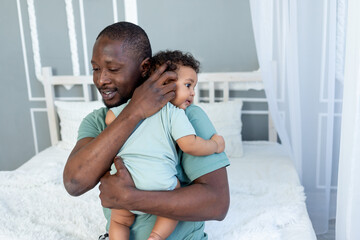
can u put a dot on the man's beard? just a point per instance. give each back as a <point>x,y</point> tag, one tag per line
<point>118,103</point>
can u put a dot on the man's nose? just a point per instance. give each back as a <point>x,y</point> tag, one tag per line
<point>104,77</point>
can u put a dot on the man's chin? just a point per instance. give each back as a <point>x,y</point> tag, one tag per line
<point>111,104</point>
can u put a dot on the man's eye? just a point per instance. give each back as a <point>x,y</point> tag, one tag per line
<point>188,85</point>
<point>113,69</point>
<point>95,69</point>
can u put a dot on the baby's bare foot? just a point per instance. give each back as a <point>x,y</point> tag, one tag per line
<point>155,236</point>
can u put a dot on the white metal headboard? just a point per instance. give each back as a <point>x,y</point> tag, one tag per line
<point>210,82</point>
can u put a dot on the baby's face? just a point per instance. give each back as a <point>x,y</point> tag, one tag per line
<point>185,84</point>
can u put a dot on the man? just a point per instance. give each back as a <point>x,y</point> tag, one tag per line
<point>120,63</point>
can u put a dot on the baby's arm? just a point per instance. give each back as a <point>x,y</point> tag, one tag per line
<point>110,116</point>
<point>198,146</point>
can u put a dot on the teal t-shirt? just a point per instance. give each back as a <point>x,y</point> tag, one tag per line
<point>191,168</point>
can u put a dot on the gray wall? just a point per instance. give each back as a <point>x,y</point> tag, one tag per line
<point>218,33</point>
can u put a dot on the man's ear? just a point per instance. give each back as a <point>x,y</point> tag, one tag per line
<point>145,68</point>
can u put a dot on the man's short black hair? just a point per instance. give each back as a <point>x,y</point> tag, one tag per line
<point>133,37</point>
<point>175,58</point>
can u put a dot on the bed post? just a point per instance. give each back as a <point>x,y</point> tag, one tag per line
<point>49,98</point>
<point>272,130</point>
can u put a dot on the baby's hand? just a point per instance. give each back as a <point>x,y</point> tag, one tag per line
<point>220,142</point>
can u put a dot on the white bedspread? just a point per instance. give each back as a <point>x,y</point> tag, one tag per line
<point>267,201</point>
<point>34,204</point>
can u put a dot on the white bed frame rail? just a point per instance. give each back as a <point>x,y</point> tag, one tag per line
<point>211,82</point>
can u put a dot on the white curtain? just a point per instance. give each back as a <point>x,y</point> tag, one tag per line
<point>297,47</point>
<point>348,204</point>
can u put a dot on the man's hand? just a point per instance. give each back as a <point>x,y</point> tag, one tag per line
<point>154,93</point>
<point>115,190</point>
<point>220,142</point>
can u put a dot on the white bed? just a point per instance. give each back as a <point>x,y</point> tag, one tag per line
<point>267,199</point>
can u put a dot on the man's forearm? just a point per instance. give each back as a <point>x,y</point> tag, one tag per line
<point>207,198</point>
<point>92,157</point>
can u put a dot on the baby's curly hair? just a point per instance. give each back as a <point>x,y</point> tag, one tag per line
<point>175,58</point>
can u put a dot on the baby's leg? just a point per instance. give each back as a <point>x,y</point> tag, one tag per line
<point>120,222</point>
<point>163,226</point>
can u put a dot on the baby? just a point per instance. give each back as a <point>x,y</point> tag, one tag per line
<point>150,153</point>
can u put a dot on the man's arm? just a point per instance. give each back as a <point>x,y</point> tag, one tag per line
<point>207,198</point>
<point>92,157</point>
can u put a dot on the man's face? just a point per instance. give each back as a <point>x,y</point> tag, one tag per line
<point>116,73</point>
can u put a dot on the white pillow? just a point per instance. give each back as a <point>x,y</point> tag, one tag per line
<point>226,118</point>
<point>71,114</point>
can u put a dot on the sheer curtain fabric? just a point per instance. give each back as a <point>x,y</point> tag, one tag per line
<point>348,204</point>
<point>296,44</point>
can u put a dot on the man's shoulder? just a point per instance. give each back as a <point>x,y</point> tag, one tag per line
<point>98,113</point>
<point>194,111</point>
<point>93,123</point>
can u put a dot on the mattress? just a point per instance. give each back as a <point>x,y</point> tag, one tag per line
<point>267,200</point>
